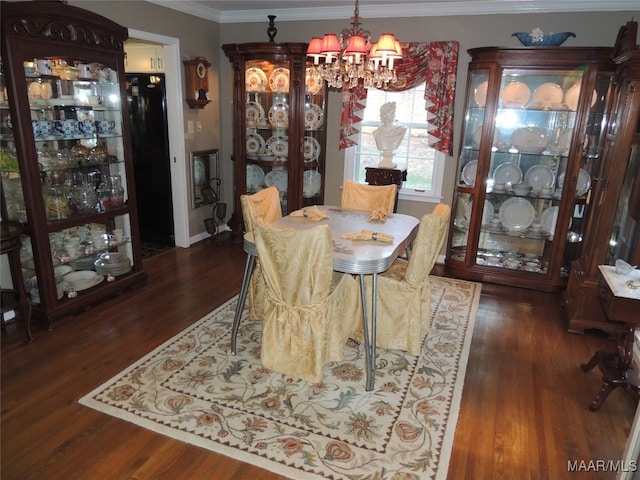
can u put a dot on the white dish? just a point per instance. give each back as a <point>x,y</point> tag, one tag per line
<point>313,117</point>
<point>311,148</point>
<point>530,139</point>
<point>515,95</point>
<point>487,212</point>
<point>255,114</point>
<point>548,219</point>
<point>279,80</point>
<point>573,95</point>
<point>507,173</point>
<point>279,115</point>
<point>278,145</point>
<point>582,185</point>
<point>255,144</point>
<point>313,82</point>
<point>548,95</point>
<point>277,178</point>
<point>469,172</point>
<point>480,94</point>
<point>540,176</point>
<point>80,286</point>
<point>255,80</point>
<point>79,276</point>
<point>477,136</point>
<point>255,177</point>
<point>517,213</point>
<point>312,183</point>
<point>564,140</point>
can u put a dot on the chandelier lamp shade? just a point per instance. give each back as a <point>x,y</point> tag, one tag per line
<point>342,61</point>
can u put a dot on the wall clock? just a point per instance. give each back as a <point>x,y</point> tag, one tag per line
<point>197,82</point>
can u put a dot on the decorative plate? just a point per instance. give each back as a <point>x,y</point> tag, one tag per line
<point>530,139</point>
<point>313,82</point>
<point>507,173</point>
<point>573,95</point>
<point>515,95</point>
<point>487,213</point>
<point>477,136</point>
<point>469,173</point>
<point>279,115</point>
<point>540,176</point>
<point>480,94</point>
<point>277,178</point>
<point>255,80</point>
<point>517,213</point>
<point>255,144</point>
<point>582,185</point>
<point>548,219</point>
<point>278,145</point>
<point>564,140</point>
<point>547,95</point>
<point>311,148</point>
<point>313,117</point>
<point>279,80</point>
<point>255,114</point>
<point>255,177</point>
<point>311,183</point>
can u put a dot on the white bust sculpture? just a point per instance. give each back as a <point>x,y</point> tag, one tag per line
<point>388,135</point>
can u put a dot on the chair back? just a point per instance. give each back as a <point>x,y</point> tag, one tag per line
<point>297,265</point>
<point>428,243</point>
<point>263,205</point>
<point>359,196</point>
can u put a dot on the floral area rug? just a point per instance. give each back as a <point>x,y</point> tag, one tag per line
<point>192,389</point>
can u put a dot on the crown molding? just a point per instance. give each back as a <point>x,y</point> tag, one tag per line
<point>399,10</point>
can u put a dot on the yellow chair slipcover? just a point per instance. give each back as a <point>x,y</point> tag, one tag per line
<point>404,293</point>
<point>358,196</point>
<point>265,206</point>
<point>309,310</point>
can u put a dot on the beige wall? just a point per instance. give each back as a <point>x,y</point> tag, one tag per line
<point>200,37</point>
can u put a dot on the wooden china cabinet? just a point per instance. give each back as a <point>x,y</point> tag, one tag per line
<point>615,231</point>
<point>530,154</point>
<point>280,112</point>
<point>66,166</point>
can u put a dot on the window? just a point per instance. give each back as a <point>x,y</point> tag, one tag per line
<point>424,164</point>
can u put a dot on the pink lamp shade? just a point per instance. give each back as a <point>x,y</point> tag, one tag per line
<point>330,46</point>
<point>356,48</point>
<point>314,50</point>
<point>387,43</point>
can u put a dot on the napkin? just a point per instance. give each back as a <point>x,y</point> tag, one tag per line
<point>379,215</point>
<point>368,235</point>
<point>313,214</point>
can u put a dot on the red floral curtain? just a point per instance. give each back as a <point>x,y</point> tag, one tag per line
<point>435,63</point>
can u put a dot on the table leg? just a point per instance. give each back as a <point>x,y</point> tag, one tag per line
<point>369,339</point>
<point>248,268</point>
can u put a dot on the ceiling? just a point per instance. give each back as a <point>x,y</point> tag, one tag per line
<point>236,11</point>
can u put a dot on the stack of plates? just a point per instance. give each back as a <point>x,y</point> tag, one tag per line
<point>113,263</point>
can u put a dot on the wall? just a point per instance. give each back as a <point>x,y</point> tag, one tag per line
<point>200,37</point>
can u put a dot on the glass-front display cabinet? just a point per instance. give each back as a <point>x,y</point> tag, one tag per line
<point>66,166</point>
<point>280,114</point>
<point>615,231</point>
<point>531,143</point>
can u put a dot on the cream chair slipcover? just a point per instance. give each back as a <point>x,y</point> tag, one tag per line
<point>358,196</point>
<point>309,310</point>
<point>404,292</point>
<point>263,205</point>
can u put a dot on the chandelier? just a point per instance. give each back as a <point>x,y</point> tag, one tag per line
<point>343,60</point>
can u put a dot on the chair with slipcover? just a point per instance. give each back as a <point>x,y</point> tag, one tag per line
<point>404,292</point>
<point>263,205</point>
<point>309,310</point>
<point>359,196</point>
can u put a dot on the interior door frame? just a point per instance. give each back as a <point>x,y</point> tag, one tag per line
<point>177,148</point>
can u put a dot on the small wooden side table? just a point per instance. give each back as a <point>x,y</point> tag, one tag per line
<point>15,298</point>
<point>386,176</point>
<point>622,305</point>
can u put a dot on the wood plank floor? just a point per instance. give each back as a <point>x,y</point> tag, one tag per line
<point>523,415</point>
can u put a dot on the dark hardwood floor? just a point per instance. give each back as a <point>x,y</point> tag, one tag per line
<point>523,415</point>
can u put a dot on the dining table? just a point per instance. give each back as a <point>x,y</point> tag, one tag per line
<point>355,257</point>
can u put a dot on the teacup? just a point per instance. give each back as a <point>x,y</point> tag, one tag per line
<point>499,186</point>
<point>105,127</point>
<point>512,263</point>
<point>46,127</point>
<point>546,191</point>
<point>44,67</point>
<point>68,128</point>
<point>87,127</point>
